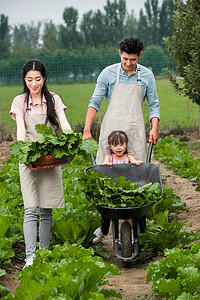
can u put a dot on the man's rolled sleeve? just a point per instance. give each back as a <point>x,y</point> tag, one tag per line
<point>100,92</point>
<point>152,99</point>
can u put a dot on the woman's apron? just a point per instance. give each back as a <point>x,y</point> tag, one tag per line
<point>42,188</point>
<point>124,113</point>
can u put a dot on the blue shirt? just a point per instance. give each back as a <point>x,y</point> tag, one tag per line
<point>107,79</point>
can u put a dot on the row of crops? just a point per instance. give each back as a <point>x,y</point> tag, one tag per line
<point>70,269</point>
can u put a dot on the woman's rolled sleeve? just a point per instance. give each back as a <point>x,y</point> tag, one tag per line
<point>17,107</point>
<point>59,105</point>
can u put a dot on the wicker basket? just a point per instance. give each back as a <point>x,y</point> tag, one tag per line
<point>49,161</point>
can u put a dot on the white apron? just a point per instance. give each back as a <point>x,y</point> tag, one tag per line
<point>124,113</point>
<point>42,188</point>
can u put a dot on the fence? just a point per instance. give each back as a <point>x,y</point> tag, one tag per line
<point>78,68</point>
<point>80,73</point>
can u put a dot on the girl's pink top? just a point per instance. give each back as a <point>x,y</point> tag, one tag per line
<point>114,161</point>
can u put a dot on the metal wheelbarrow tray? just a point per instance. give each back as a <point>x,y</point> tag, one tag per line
<point>127,248</point>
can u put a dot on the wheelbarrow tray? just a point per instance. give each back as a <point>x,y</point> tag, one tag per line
<point>142,175</point>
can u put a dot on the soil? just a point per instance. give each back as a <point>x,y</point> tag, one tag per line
<point>132,281</point>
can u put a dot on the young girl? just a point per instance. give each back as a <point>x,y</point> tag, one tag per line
<point>42,189</point>
<point>118,142</point>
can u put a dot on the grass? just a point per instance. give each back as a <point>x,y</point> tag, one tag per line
<point>177,111</point>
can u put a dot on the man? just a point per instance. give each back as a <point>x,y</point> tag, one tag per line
<point>125,86</point>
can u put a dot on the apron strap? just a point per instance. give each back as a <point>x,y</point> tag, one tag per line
<point>28,109</point>
<point>138,78</point>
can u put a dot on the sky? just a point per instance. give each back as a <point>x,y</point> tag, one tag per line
<point>24,11</point>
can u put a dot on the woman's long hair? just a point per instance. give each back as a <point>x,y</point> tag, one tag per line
<point>37,65</point>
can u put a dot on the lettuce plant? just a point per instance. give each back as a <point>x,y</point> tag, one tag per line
<point>177,275</point>
<point>68,272</point>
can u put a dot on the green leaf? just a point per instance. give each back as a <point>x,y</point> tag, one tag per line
<point>89,145</point>
<point>43,129</point>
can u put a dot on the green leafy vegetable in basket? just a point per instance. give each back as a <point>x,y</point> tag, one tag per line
<point>102,190</point>
<point>68,144</point>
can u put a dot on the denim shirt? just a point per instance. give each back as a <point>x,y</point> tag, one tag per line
<point>107,79</point>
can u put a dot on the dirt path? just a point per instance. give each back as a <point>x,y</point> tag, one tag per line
<point>132,282</point>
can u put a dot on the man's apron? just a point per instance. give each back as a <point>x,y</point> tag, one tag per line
<point>42,188</point>
<point>124,113</point>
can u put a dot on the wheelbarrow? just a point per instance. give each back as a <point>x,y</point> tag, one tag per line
<point>126,241</point>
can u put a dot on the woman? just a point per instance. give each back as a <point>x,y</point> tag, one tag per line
<point>42,189</point>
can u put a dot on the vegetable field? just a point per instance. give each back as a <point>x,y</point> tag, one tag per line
<point>71,254</point>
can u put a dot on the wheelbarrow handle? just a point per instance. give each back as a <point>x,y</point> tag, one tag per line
<point>93,159</point>
<point>149,153</point>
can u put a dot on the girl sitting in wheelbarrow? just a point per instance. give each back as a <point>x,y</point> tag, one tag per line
<point>118,143</point>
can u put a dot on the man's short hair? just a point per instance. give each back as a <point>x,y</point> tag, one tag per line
<point>131,45</point>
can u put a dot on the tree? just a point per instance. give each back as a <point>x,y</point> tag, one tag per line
<point>87,27</point>
<point>50,39</point>
<point>152,14</point>
<point>143,31</point>
<point>184,48</point>
<point>130,24</point>
<point>26,40</point>
<point>4,36</point>
<point>165,20</point>
<point>114,21</point>
<point>69,35</point>
<point>92,26</point>
<point>33,35</point>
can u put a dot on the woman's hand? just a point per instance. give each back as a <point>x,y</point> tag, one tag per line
<point>30,167</point>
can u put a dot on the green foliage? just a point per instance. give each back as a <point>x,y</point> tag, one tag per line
<point>11,214</point>
<point>162,234</point>
<point>177,275</point>
<point>114,20</point>
<point>50,39</point>
<point>4,36</point>
<point>77,222</point>
<point>67,272</point>
<point>169,201</point>
<point>184,48</point>
<point>150,59</point>
<point>69,143</point>
<point>152,16</point>
<point>25,39</point>
<point>102,190</point>
<point>176,154</point>
<point>75,225</point>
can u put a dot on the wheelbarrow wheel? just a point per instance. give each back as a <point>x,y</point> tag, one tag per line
<point>126,243</point>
